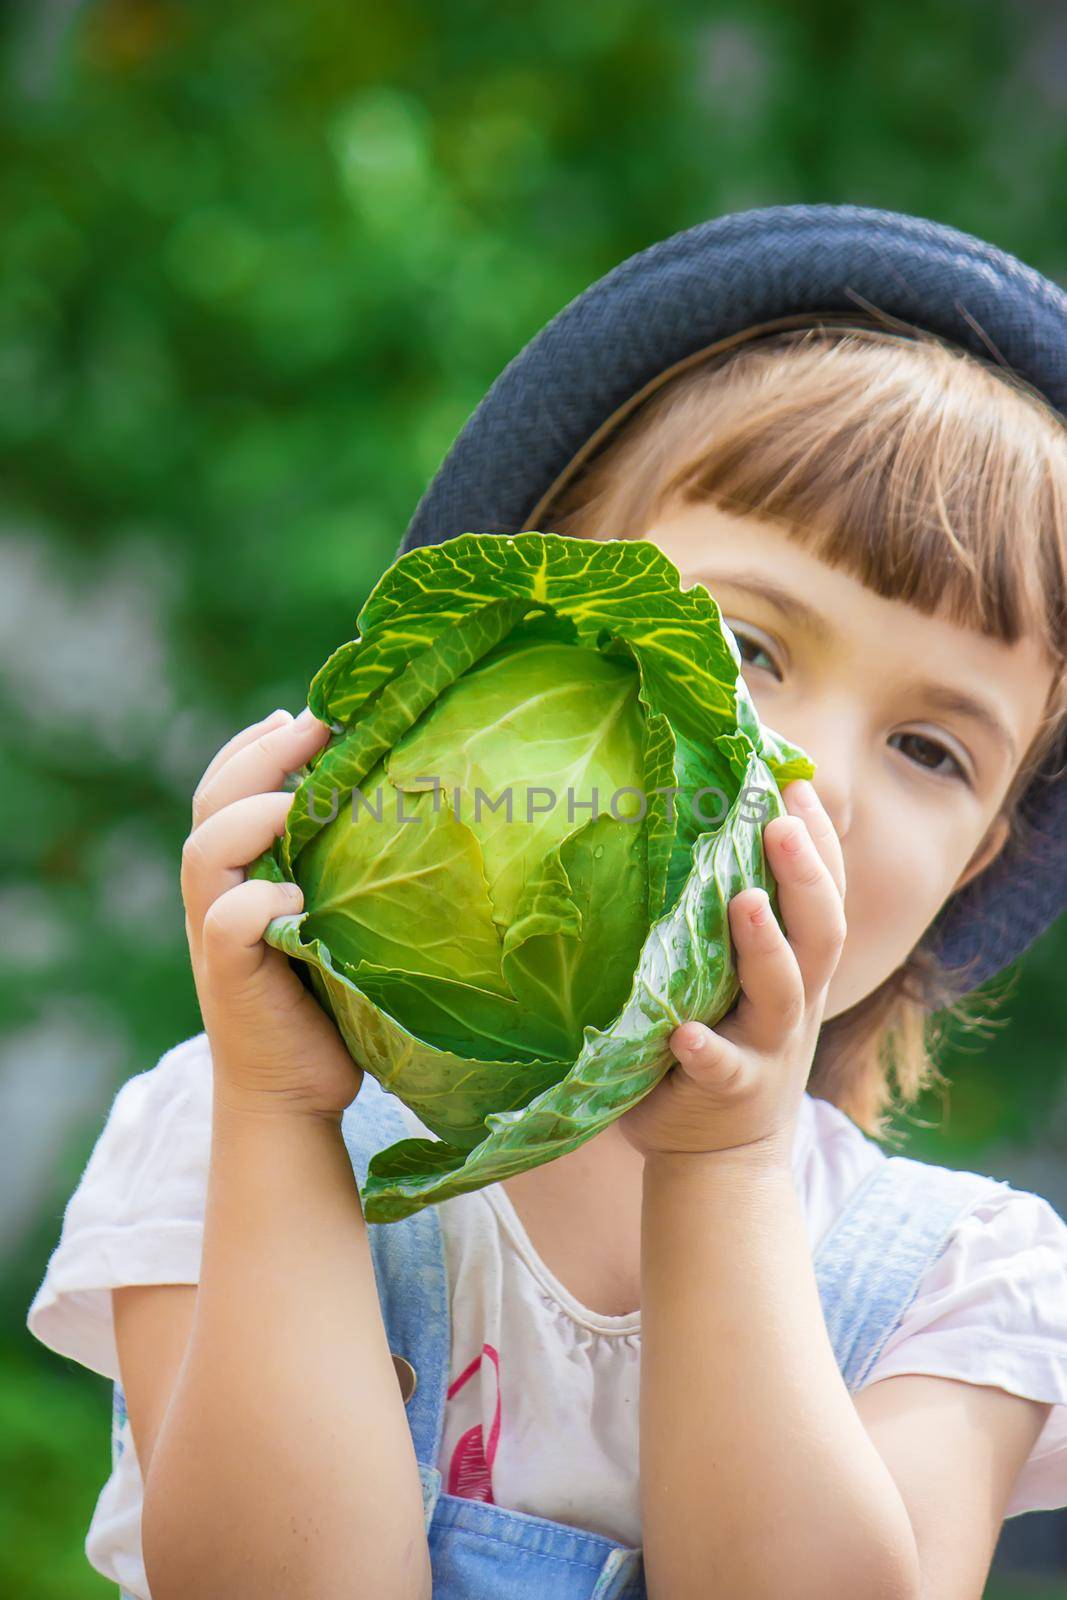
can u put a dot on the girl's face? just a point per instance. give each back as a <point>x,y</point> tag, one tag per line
<point>873,691</point>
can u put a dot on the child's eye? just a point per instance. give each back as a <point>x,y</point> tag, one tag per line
<point>747,638</point>
<point>933,744</point>
<point>959,775</point>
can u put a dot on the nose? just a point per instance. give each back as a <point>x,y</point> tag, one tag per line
<point>833,752</point>
<point>835,800</point>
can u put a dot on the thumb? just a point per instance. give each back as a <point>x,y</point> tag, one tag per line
<point>710,1058</point>
<point>234,951</point>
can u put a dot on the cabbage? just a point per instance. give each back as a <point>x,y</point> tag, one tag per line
<point>545,784</point>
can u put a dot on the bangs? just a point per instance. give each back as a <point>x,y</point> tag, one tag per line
<point>926,476</point>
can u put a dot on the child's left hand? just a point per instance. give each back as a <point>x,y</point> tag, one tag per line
<point>737,1087</point>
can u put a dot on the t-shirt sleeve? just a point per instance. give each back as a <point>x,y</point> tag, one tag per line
<point>993,1310</point>
<point>137,1214</point>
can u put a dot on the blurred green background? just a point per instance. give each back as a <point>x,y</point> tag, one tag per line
<point>259,263</point>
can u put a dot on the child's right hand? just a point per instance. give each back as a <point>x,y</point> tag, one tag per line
<point>273,1046</point>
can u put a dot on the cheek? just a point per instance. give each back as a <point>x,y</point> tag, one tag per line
<point>898,878</point>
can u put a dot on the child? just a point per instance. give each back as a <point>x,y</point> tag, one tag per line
<point>729,1315</point>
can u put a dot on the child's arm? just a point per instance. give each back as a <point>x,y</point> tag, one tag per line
<point>758,1468</point>
<point>283,1462</point>
<point>758,1478</point>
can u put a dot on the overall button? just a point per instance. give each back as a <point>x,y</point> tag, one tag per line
<point>406,1376</point>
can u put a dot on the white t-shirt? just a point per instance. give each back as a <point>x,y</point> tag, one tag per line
<point>542,1409</point>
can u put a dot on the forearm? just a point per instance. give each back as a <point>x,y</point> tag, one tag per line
<point>758,1478</point>
<point>284,1466</point>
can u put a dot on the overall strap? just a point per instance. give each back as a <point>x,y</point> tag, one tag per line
<point>870,1262</point>
<point>412,1279</point>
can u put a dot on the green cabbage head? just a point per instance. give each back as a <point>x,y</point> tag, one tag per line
<point>545,784</point>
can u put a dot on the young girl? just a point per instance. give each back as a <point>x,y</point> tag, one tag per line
<point>728,1346</point>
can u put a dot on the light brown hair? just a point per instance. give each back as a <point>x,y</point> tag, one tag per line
<point>927,474</point>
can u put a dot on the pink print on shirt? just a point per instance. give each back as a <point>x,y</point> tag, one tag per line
<point>470,1472</point>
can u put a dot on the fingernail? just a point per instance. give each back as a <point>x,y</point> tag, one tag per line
<point>306,718</point>
<point>276,717</point>
<point>761,910</point>
<point>792,841</point>
<point>804,794</point>
<point>690,1036</point>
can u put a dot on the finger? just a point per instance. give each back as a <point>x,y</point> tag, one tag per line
<point>234,950</point>
<point>239,740</point>
<point>216,853</point>
<point>260,764</point>
<point>802,800</point>
<point>773,1002</point>
<point>709,1057</point>
<point>809,902</point>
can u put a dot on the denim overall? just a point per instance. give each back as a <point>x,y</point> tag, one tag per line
<point>868,1267</point>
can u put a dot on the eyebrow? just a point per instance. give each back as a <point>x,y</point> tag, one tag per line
<point>939,695</point>
<point>790,605</point>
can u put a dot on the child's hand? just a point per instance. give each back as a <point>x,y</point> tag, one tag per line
<point>272,1045</point>
<point>737,1087</point>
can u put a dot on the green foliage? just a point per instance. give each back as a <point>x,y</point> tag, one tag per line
<point>54,1457</point>
<point>260,262</point>
<point>1022,1588</point>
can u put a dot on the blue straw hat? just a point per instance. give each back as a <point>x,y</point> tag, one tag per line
<point>714,286</point>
